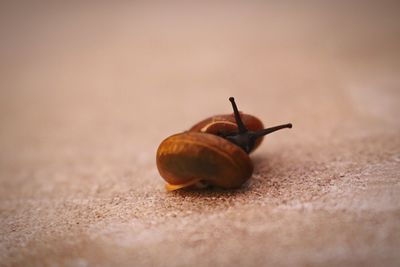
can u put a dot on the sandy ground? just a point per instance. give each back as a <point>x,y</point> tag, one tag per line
<point>87,92</point>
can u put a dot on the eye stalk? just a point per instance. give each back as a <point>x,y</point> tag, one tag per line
<point>244,138</point>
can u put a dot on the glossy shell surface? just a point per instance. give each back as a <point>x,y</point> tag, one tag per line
<point>226,124</point>
<point>190,157</point>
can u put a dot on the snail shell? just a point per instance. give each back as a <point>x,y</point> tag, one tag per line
<point>226,124</point>
<point>194,158</point>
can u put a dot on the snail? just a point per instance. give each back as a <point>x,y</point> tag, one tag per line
<point>214,152</point>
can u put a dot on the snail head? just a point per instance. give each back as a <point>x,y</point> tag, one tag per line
<point>247,139</point>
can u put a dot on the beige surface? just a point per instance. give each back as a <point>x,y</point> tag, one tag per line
<point>88,92</point>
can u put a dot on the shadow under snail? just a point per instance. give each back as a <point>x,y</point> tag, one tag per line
<point>214,152</point>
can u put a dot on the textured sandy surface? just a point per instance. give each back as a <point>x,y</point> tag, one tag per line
<point>88,92</point>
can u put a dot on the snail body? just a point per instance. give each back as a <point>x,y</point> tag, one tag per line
<point>213,152</point>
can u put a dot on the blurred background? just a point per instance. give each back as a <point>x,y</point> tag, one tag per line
<point>131,66</point>
<point>89,89</point>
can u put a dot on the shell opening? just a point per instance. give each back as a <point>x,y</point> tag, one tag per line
<point>197,183</point>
